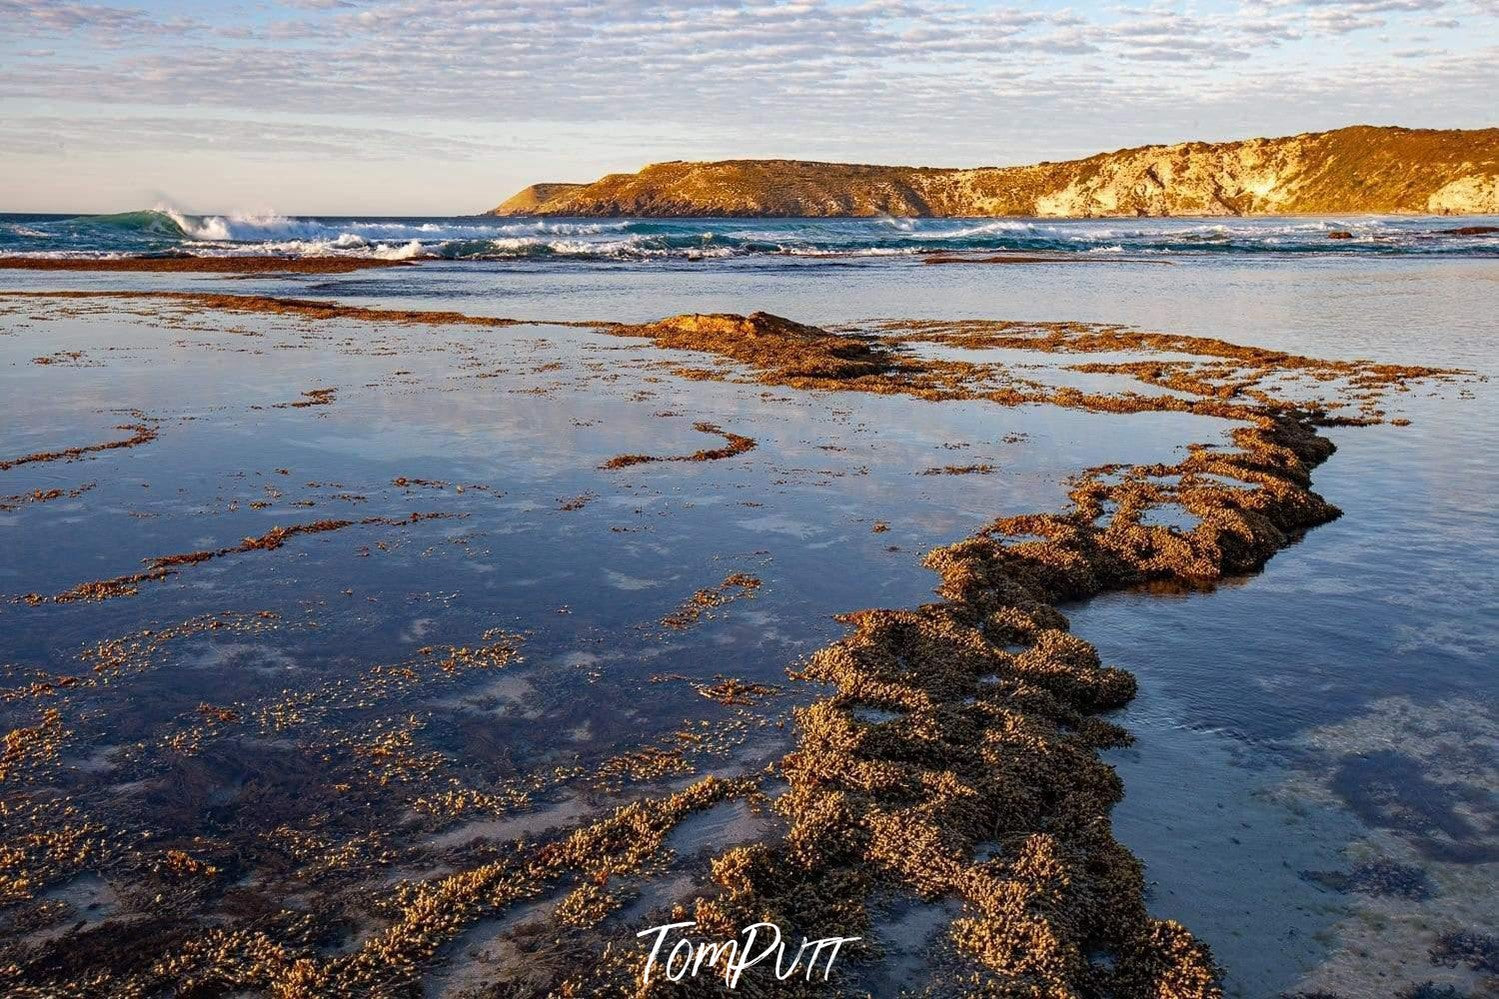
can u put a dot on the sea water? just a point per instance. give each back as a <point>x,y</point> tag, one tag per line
<point>1312,786</point>
<point>165,230</point>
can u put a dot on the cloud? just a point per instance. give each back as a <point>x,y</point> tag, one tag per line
<point>947,81</point>
<point>254,138</point>
<point>42,18</point>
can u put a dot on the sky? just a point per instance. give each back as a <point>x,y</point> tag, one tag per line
<point>450,106</point>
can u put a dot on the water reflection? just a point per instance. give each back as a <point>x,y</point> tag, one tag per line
<point>1335,705</point>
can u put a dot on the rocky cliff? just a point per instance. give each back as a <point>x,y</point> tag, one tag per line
<point>1362,169</point>
<point>529,200</point>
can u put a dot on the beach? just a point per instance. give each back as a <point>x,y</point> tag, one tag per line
<point>435,629</point>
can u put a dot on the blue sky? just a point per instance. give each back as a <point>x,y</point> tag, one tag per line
<point>448,106</point>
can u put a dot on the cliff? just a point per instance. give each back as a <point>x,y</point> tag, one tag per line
<point>528,200</point>
<point>1362,169</point>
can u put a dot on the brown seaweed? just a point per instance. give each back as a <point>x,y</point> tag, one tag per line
<point>736,444</point>
<point>8,503</point>
<point>734,586</point>
<point>141,432</point>
<point>162,566</point>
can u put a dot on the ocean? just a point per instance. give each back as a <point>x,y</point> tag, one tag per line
<point>167,231</point>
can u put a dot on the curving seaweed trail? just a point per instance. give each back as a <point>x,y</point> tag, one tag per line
<point>734,444</point>
<point>977,777</point>
<point>163,566</point>
<point>993,738</point>
<point>141,432</point>
<point>952,753</point>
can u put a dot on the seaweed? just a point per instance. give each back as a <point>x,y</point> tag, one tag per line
<point>734,585</point>
<point>141,432</point>
<point>9,503</point>
<point>736,444</point>
<point>1379,877</point>
<point>1431,990</point>
<point>1478,951</point>
<point>729,691</point>
<point>959,470</point>
<point>311,397</point>
<point>163,566</point>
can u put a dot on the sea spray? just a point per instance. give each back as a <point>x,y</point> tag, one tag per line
<point>166,229</point>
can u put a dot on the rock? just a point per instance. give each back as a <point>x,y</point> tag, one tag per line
<point>1340,234</point>
<point>530,200</point>
<point>1362,169</point>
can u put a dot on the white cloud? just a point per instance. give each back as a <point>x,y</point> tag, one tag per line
<point>949,81</point>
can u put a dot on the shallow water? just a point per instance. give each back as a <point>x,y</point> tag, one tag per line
<point>1332,711</point>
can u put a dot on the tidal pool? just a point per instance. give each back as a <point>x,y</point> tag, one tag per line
<point>471,633</point>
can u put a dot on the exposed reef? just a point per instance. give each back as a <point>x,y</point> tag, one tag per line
<point>786,350</point>
<point>1214,378</point>
<point>1206,376</point>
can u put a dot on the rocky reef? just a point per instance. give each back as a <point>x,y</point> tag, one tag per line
<point>1357,169</point>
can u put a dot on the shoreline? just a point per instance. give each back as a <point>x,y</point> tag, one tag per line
<point>205,265</point>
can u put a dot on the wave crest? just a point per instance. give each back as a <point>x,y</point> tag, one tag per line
<point>167,229</point>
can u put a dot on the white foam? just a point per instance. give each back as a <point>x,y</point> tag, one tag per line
<point>198,228</point>
<point>406,251</point>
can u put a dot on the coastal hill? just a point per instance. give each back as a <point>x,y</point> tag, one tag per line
<point>528,200</point>
<point>1361,169</point>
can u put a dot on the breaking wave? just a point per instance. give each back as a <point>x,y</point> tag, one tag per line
<point>165,230</point>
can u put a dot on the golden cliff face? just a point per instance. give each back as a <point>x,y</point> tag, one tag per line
<point>528,200</point>
<point>1351,170</point>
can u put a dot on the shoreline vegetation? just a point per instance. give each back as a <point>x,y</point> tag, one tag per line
<point>1357,170</point>
<point>953,754</point>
